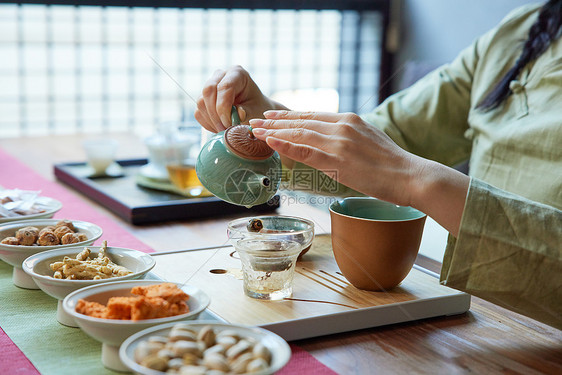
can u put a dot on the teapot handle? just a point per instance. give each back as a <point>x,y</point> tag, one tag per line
<point>234,118</point>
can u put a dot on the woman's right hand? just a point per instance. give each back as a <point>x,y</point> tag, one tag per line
<point>226,88</point>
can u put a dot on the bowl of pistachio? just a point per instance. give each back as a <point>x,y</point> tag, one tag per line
<point>199,347</point>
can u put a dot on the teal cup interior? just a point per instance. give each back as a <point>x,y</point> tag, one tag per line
<point>374,209</point>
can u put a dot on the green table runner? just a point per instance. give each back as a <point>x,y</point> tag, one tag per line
<point>29,318</point>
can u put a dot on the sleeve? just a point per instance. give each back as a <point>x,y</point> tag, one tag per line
<point>430,118</point>
<point>509,252</point>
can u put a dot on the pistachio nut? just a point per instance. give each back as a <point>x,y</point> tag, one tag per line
<point>256,365</point>
<point>207,336</point>
<point>216,362</point>
<point>240,348</point>
<point>261,351</point>
<point>146,348</point>
<point>182,347</point>
<point>226,341</point>
<point>154,362</point>
<point>239,365</point>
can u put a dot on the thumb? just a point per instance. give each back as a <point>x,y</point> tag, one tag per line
<point>242,114</point>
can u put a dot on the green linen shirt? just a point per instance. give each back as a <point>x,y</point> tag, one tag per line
<point>509,247</point>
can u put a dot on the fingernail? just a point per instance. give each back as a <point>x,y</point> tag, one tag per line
<point>272,114</point>
<point>256,122</point>
<point>242,114</point>
<point>258,131</point>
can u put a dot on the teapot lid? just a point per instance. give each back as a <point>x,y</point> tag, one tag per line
<point>240,140</point>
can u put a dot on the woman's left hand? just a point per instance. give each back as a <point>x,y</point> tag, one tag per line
<point>365,159</point>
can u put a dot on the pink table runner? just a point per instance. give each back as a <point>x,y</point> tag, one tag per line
<point>14,174</point>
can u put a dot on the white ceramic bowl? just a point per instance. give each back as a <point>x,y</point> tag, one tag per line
<point>50,205</point>
<point>279,349</point>
<point>280,228</point>
<point>37,266</point>
<point>16,254</point>
<point>112,332</point>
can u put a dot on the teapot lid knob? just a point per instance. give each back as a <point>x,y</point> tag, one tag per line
<point>240,140</point>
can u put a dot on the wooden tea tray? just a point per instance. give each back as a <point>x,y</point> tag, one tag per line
<point>323,301</point>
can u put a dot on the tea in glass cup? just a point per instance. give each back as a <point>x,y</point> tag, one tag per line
<point>184,177</point>
<point>268,267</point>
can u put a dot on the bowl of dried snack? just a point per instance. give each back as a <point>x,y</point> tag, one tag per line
<point>111,312</point>
<point>199,347</point>
<point>278,228</point>
<point>16,204</point>
<point>60,272</point>
<point>21,239</point>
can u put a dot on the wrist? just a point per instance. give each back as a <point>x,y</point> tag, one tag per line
<point>440,192</point>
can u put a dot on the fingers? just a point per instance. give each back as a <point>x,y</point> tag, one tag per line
<point>306,154</point>
<point>231,85</point>
<point>299,136</point>
<point>202,117</point>
<point>322,122</point>
<point>219,95</point>
<point>318,126</point>
<point>318,116</point>
<point>209,99</point>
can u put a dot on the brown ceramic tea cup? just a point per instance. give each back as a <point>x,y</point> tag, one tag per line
<point>375,243</point>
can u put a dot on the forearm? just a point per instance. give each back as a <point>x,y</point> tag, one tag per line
<point>439,191</point>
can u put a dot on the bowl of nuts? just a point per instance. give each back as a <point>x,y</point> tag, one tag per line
<point>204,347</point>
<point>113,311</point>
<point>60,272</point>
<point>21,239</point>
<point>278,228</point>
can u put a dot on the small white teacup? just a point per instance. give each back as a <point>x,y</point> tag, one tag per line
<point>100,154</point>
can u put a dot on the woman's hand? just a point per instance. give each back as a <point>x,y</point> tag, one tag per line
<point>344,147</point>
<point>225,89</point>
<point>367,160</point>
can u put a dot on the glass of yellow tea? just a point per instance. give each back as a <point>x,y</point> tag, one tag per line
<point>183,177</point>
<point>268,267</point>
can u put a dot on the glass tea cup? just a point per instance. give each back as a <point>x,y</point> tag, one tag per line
<point>268,267</point>
<point>183,176</point>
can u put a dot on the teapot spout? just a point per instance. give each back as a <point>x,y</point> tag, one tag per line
<point>261,180</point>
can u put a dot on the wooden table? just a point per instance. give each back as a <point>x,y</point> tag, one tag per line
<point>486,340</point>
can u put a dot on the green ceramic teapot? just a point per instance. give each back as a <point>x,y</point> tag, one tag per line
<point>239,168</point>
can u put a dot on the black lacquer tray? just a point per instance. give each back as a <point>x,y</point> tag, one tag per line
<point>140,205</point>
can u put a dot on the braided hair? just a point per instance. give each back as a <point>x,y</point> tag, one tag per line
<point>542,33</point>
